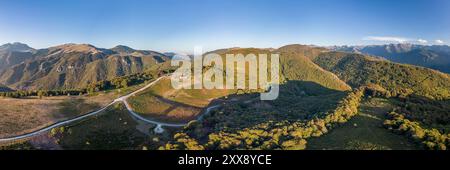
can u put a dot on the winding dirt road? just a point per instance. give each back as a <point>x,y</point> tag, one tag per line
<point>122,99</point>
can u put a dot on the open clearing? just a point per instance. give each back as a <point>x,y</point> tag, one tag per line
<point>19,116</point>
<point>158,108</point>
<point>364,132</point>
<point>162,102</point>
<point>113,129</point>
<point>23,115</point>
<point>192,97</point>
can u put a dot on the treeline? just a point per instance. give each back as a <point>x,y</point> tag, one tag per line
<point>120,82</point>
<point>431,113</point>
<point>115,83</point>
<point>288,135</point>
<point>41,93</point>
<point>430,138</point>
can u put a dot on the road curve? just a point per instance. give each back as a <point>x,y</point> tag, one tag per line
<point>122,99</point>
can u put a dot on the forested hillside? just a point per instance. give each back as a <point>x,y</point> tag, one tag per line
<point>399,79</point>
<point>76,66</point>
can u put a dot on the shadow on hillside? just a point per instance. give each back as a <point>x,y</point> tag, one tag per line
<point>297,100</point>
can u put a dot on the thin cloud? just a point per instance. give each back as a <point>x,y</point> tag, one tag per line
<point>439,42</point>
<point>392,39</point>
<point>422,41</point>
<point>387,39</point>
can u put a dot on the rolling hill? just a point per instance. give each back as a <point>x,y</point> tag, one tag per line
<point>313,93</point>
<point>301,77</point>
<point>358,70</point>
<point>316,71</point>
<point>296,64</point>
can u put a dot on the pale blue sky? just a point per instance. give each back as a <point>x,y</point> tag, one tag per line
<point>179,25</point>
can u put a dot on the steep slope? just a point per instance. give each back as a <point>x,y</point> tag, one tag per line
<point>357,70</point>
<point>15,53</point>
<point>296,64</point>
<point>75,66</point>
<point>435,57</point>
<point>125,50</point>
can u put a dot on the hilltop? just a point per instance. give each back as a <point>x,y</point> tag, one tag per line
<point>14,53</point>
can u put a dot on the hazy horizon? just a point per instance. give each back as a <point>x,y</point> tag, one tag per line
<point>179,26</point>
<point>174,51</point>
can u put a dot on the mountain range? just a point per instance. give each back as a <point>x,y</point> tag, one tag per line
<point>70,66</point>
<point>435,56</point>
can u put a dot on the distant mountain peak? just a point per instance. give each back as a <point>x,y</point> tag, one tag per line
<point>431,56</point>
<point>16,47</point>
<point>82,48</point>
<point>123,49</point>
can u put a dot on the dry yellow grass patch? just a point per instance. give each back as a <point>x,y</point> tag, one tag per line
<point>192,97</point>
<point>19,116</point>
<point>164,103</point>
<point>183,113</point>
<point>158,108</point>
